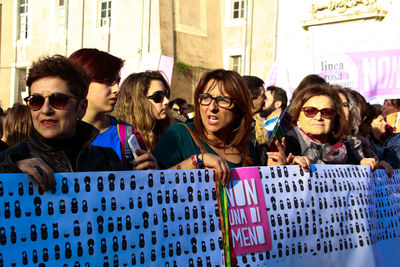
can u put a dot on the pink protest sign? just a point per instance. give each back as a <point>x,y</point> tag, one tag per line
<point>247,212</point>
<point>375,74</point>
<point>379,72</point>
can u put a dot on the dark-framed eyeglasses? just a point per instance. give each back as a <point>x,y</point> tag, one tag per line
<point>57,100</point>
<point>327,113</point>
<point>157,96</point>
<point>221,101</point>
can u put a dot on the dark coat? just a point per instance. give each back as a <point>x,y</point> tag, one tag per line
<point>391,151</point>
<point>297,147</point>
<point>72,155</point>
<point>3,146</point>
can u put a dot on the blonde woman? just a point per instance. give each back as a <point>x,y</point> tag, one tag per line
<point>143,102</point>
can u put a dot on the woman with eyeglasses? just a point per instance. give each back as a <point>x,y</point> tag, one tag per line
<point>104,70</point>
<point>218,138</point>
<point>59,141</point>
<point>318,127</point>
<point>144,99</point>
<point>356,152</point>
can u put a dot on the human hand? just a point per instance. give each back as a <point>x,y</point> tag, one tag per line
<point>372,162</point>
<point>145,161</point>
<point>223,172</point>
<point>382,164</point>
<point>303,161</point>
<point>39,171</point>
<point>278,157</point>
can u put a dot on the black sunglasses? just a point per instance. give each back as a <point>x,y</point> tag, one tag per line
<point>57,100</point>
<point>327,113</point>
<point>157,96</point>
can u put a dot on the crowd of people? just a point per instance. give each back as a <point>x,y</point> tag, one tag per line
<point>78,117</point>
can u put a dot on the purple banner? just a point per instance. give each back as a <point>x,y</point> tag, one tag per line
<point>375,74</point>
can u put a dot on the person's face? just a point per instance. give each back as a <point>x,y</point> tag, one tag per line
<point>317,126</point>
<point>176,109</point>
<point>180,110</point>
<point>388,107</point>
<point>269,100</point>
<point>184,110</point>
<point>102,97</point>
<point>158,110</point>
<point>217,121</point>
<point>378,126</point>
<point>258,103</point>
<point>345,105</point>
<point>54,123</point>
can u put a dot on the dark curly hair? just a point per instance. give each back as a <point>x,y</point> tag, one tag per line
<point>60,66</point>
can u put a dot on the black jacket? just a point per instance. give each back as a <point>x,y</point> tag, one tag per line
<point>3,146</point>
<point>71,155</point>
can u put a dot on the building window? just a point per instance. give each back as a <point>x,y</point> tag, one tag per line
<point>22,19</point>
<point>105,13</point>
<point>61,15</point>
<point>235,63</point>
<point>238,9</point>
<point>20,82</point>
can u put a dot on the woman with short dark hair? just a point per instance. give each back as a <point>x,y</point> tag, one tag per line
<point>318,126</point>
<point>59,139</point>
<point>104,70</point>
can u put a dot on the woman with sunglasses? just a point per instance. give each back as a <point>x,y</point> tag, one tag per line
<point>102,96</point>
<point>218,138</point>
<point>59,141</point>
<point>143,102</point>
<point>318,127</point>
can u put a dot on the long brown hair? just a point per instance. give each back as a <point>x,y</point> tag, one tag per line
<point>134,107</point>
<point>235,86</point>
<point>17,123</point>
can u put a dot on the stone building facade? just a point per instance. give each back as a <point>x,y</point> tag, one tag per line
<point>199,34</point>
<point>279,41</point>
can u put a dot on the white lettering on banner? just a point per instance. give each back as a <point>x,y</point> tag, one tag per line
<point>241,193</point>
<point>248,236</point>
<point>237,217</point>
<point>381,72</point>
<point>255,215</point>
